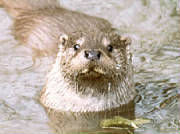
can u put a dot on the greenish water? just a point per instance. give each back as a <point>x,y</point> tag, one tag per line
<point>153,25</point>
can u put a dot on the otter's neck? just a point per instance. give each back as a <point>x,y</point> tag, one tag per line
<point>66,95</point>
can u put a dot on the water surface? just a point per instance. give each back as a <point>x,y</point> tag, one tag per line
<point>153,25</point>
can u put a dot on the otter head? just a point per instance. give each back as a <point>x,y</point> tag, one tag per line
<point>90,68</point>
<point>93,57</point>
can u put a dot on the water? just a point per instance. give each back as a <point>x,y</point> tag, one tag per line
<point>153,26</point>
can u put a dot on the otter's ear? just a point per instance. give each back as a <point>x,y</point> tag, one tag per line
<point>63,38</point>
<point>125,41</point>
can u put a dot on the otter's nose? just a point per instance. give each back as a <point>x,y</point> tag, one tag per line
<point>92,54</point>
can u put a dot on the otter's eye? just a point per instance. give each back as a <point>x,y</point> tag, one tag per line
<point>76,47</point>
<point>110,48</point>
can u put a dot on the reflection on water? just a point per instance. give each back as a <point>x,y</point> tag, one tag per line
<point>161,104</point>
<point>154,28</point>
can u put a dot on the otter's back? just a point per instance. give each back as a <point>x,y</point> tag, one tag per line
<point>40,29</point>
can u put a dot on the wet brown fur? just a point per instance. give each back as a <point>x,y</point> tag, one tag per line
<point>71,97</point>
<point>38,25</point>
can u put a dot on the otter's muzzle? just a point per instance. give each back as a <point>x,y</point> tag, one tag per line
<point>92,54</point>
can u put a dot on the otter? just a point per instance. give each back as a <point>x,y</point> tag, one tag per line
<point>92,75</point>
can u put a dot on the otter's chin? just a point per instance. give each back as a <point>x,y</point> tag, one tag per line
<point>91,75</point>
<point>96,70</point>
